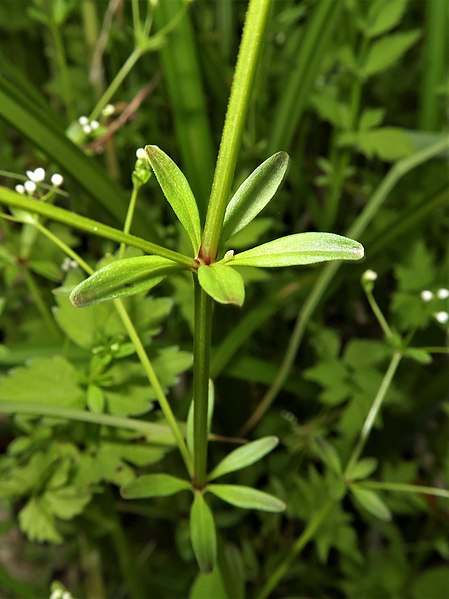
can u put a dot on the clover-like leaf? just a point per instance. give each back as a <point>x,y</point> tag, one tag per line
<point>224,284</point>
<point>247,498</point>
<point>121,278</point>
<point>153,485</point>
<point>203,534</point>
<point>254,194</point>
<point>302,248</point>
<point>178,193</point>
<point>244,456</point>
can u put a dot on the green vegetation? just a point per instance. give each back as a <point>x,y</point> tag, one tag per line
<point>192,405</point>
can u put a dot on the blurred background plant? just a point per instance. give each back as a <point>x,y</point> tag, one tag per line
<point>357,93</point>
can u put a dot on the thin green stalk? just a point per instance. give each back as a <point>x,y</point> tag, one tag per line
<point>250,48</point>
<point>373,412</point>
<point>404,488</point>
<point>91,226</point>
<point>399,170</point>
<point>379,315</point>
<point>157,433</point>
<point>40,303</point>
<point>299,545</point>
<point>64,247</point>
<point>129,218</point>
<point>201,358</point>
<point>435,350</point>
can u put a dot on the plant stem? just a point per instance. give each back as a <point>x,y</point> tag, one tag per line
<point>250,48</point>
<point>129,218</point>
<point>299,545</point>
<point>379,315</point>
<point>404,488</point>
<point>201,359</point>
<point>374,410</point>
<point>399,170</point>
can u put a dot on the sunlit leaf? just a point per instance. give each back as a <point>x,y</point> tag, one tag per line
<point>178,193</point>
<point>202,534</point>
<point>244,456</point>
<point>122,278</point>
<point>254,194</point>
<point>224,284</point>
<point>154,485</point>
<point>302,248</point>
<point>247,498</point>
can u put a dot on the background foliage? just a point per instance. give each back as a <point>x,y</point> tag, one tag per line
<point>352,91</point>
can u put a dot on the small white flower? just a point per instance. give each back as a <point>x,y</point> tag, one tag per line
<point>443,293</point>
<point>38,175</point>
<point>57,180</point>
<point>83,120</point>
<point>57,594</point>
<point>442,317</point>
<point>87,129</point>
<point>66,595</point>
<point>30,186</point>
<point>426,295</point>
<point>369,275</point>
<point>108,110</point>
<point>141,154</point>
<point>94,125</point>
<point>19,188</point>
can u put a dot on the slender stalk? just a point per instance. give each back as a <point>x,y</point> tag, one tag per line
<point>64,247</point>
<point>250,48</point>
<point>299,545</point>
<point>129,218</point>
<point>379,315</point>
<point>373,412</point>
<point>201,359</point>
<point>404,488</point>
<point>91,226</point>
<point>399,170</point>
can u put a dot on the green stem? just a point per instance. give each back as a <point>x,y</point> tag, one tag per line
<point>250,48</point>
<point>157,433</point>
<point>129,218</point>
<point>379,315</point>
<point>299,545</point>
<point>404,488</point>
<point>201,359</point>
<point>62,66</point>
<point>91,226</point>
<point>63,246</point>
<point>373,412</point>
<point>399,170</point>
<point>40,303</point>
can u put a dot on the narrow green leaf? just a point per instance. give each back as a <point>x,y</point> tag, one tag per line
<point>372,503</point>
<point>302,248</point>
<point>244,456</point>
<point>384,15</point>
<point>385,52</point>
<point>254,194</point>
<point>247,498</point>
<point>178,193</point>
<point>224,284</point>
<point>202,534</point>
<point>154,485</point>
<point>362,469</point>
<point>121,278</point>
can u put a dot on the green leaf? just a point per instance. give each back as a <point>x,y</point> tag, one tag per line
<point>178,193</point>
<point>247,498</point>
<point>388,143</point>
<point>95,399</point>
<point>66,502</point>
<point>122,278</point>
<point>154,485</point>
<point>385,52</point>
<point>254,194</point>
<point>371,117</point>
<point>37,523</point>
<point>384,15</point>
<point>362,469</point>
<point>43,380</point>
<point>419,355</point>
<point>203,534</point>
<point>224,284</point>
<point>302,248</point>
<point>431,582</point>
<point>372,503</point>
<point>244,456</point>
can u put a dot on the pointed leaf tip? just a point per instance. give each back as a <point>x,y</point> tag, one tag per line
<point>177,191</point>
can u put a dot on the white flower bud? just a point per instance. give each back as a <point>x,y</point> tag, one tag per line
<point>38,175</point>
<point>94,125</point>
<point>87,129</point>
<point>442,317</point>
<point>108,110</point>
<point>83,120</point>
<point>141,154</point>
<point>426,295</point>
<point>57,180</point>
<point>369,275</point>
<point>19,188</point>
<point>443,293</point>
<point>30,186</point>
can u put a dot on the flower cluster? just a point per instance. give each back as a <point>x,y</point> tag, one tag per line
<point>442,316</point>
<point>36,177</point>
<point>142,171</point>
<point>89,126</point>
